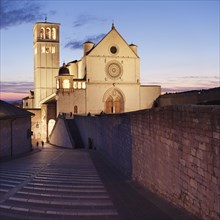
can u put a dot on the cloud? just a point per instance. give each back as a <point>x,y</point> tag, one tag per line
<point>77,44</point>
<point>18,12</point>
<point>85,19</point>
<point>16,87</point>
<point>199,77</point>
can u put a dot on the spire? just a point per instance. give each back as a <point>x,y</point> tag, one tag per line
<point>113,26</point>
<point>45,18</point>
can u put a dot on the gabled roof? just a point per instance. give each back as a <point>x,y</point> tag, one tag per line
<point>113,28</point>
<point>8,111</point>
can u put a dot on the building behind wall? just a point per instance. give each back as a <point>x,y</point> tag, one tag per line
<point>106,79</point>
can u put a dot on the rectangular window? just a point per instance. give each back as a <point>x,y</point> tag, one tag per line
<point>43,49</point>
<point>53,50</point>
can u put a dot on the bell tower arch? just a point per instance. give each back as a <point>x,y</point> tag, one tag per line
<point>46,59</point>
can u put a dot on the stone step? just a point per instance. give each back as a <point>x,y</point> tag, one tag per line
<point>64,197</point>
<point>61,202</point>
<point>63,192</point>
<point>12,212</point>
<point>67,185</point>
<point>76,180</point>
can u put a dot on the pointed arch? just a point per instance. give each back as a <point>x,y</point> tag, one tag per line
<point>114,100</point>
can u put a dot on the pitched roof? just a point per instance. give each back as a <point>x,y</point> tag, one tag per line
<point>113,28</point>
<point>8,111</point>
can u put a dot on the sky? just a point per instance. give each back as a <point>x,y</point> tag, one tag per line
<point>178,40</point>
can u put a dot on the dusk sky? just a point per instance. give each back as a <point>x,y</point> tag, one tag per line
<point>178,41</point>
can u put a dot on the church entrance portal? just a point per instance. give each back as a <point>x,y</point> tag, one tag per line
<point>114,101</point>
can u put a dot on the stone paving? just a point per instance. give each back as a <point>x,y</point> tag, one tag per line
<point>57,183</point>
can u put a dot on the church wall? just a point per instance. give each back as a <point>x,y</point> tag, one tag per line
<point>96,92</point>
<point>66,102</point>
<point>148,94</point>
<point>96,69</point>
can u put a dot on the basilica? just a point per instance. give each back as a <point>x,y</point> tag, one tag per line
<point>105,80</point>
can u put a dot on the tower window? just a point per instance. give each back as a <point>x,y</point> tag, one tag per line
<point>47,50</point>
<point>54,33</point>
<point>66,84</point>
<point>53,50</point>
<point>48,34</point>
<point>43,49</point>
<point>42,33</point>
<point>58,85</point>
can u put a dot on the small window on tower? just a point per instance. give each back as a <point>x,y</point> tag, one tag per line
<point>42,33</point>
<point>53,33</point>
<point>47,50</point>
<point>66,84</point>
<point>43,49</point>
<point>48,34</point>
<point>58,85</point>
<point>53,50</point>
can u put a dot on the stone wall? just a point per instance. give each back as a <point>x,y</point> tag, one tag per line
<point>176,154</point>
<point>172,151</point>
<point>15,136</point>
<point>60,136</point>
<point>109,134</point>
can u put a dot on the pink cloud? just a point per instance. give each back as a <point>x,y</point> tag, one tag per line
<point>10,96</point>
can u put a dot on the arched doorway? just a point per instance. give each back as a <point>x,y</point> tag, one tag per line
<point>113,101</point>
<point>109,105</point>
<point>51,124</point>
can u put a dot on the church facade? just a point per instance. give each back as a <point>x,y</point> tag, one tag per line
<point>105,80</point>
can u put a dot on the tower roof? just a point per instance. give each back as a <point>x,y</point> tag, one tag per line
<point>64,70</point>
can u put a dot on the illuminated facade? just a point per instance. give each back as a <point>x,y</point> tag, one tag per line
<point>106,79</point>
<point>46,60</point>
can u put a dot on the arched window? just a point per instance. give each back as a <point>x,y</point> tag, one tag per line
<point>48,33</point>
<point>66,84</point>
<point>54,33</point>
<point>42,33</point>
<point>75,109</point>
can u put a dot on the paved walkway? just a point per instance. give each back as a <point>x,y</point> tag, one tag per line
<point>74,184</point>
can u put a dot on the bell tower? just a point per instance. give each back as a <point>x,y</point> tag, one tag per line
<point>46,60</point>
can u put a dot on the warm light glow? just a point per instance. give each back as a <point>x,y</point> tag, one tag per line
<point>53,50</point>
<point>43,49</point>
<point>53,33</point>
<point>75,85</point>
<point>79,85</point>
<point>66,84</point>
<point>84,85</point>
<point>58,84</point>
